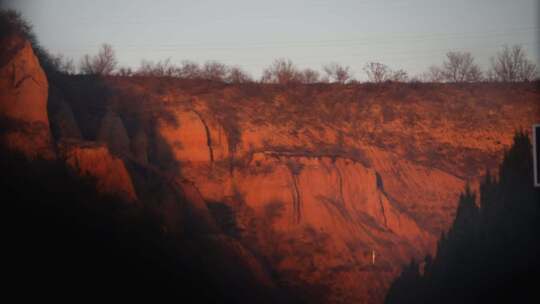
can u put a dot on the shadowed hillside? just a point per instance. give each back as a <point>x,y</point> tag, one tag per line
<point>67,241</point>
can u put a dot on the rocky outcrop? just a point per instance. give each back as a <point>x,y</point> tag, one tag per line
<point>23,101</point>
<point>95,161</point>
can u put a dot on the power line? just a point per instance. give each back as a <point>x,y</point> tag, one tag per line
<point>368,41</point>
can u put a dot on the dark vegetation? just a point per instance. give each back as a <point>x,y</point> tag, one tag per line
<point>490,254</point>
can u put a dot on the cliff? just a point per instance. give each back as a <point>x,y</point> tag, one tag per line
<point>174,212</point>
<point>323,189</point>
<point>23,100</point>
<point>334,186</point>
<point>95,161</point>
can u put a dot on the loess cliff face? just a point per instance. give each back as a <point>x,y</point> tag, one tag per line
<point>326,190</point>
<point>334,187</point>
<point>23,100</point>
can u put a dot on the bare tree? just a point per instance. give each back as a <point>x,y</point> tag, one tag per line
<point>309,76</point>
<point>512,64</point>
<point>460,67</point>
<point>337,73</point>
<point>159,69</point>
<point>86,66</point>
<point>103,63</point>
<point>213,70</point>
<point>125,72</point>
<point>378,72</point>
<point>235,74</point>
<point>63,64</point>
<point>434,74</point>
<point>399,76</point>
<point>281,71</point>
<point>189,70</point>
<point>145,68</point>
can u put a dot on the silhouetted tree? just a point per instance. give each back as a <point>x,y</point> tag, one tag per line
<point>335,72</point>
<point>189,70</point>
<point>378,72</point>
<point>399,76</point>
<point>282,71</point>
<point>460,67</point>
<point>125,72</point>
<point>161,68</point>
<point>235,74</point>
<point>63,64</point>
<point>511,64</point>
<point>434,74</point>
<point>104,63</point>
<point>491,251</point>
<point>310,76</point>
<point>407,286</point>
<point>213,70</point>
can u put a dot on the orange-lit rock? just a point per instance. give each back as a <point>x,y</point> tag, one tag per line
<point>186,136</point>
<point>428,194</point>
<point>23,100</point>
<point>95,160</point>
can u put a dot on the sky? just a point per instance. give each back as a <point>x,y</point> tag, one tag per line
<point>403,34</point>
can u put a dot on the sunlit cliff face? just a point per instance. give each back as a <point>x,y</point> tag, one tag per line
<point>333,186</point>
<point>24,90</point>
<point>321,178</point>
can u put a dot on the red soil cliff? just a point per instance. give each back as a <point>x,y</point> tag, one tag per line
<point>23,100</point>
<point>333,186</point>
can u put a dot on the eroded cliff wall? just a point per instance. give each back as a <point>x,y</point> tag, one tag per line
<point>114,153</point>
<point>333,186</point>
<point>330,187</point>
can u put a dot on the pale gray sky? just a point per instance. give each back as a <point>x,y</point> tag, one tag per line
<point>408,34</point>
